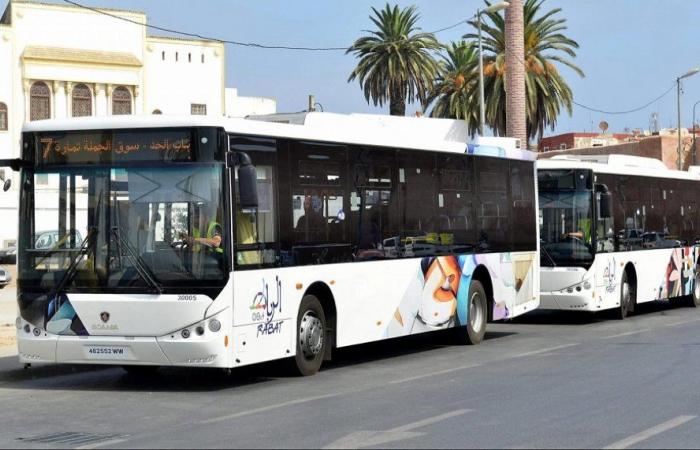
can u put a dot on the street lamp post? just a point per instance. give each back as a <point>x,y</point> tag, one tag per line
<point>482,109</point>
<point>694,133</point>
<point>690,73</point>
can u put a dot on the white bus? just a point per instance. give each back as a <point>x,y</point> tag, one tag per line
<point>227,242</point>
<point>616,231</point>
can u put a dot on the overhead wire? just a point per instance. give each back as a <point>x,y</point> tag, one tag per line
<point>232,42</point>
<point>327,49</point>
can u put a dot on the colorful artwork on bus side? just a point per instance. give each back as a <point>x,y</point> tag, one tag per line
<point>443,285</point>
<point>678,279</point>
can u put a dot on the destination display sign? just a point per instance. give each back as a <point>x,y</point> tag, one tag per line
<point>114,146</point>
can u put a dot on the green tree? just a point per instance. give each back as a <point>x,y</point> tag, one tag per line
<point>546,90</point>
<point>454,94</point>
<point>395,61</point>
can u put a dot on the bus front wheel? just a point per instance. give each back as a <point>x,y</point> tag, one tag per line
<point>311,337</point>
<point>477,316</point>
<point>694,300</point>
<point>627,298</point>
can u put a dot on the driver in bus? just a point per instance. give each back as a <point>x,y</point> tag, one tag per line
<point>211,240</point>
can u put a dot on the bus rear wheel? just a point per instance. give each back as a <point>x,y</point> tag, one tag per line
<point>694,298</point>
<point>311,337</point>
<point>477,316</point>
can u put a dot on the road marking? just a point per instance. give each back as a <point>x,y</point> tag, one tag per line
<point>109,443</point>
<point>269,408</point>
<point>673,324</point>
<point>436,373</point>
<point>629,333</point>
<point>651,432</point>
<point>361,439</point>
<point>543,350</point>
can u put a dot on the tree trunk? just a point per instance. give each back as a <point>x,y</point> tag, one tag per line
<point>516,108</point>
<point>397,104</point>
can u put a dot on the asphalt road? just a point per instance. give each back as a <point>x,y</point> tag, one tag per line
<point>546,380</point>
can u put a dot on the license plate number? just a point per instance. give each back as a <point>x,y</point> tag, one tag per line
<point>107,352</point>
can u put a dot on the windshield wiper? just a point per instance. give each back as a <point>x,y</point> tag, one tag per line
<point>85,247</point>
<point>544,250</point>
<point>140,266</point>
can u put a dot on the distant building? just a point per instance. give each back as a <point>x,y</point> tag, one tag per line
<point>58,60</point>
<point>581,140</point>
<point>663,146</point>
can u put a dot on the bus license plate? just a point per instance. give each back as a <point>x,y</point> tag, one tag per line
<point>107,352</point>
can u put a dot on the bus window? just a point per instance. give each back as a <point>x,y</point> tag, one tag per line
<point>256,229</point>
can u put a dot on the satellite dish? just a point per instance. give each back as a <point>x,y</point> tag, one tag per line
<point>603,125</point>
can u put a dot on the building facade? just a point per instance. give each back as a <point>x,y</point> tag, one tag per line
<point>581,140</point>
<point>59,61</point>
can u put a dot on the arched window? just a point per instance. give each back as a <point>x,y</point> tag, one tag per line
<point>121,101</point>
<point>157,111</point>
<point>3,117</point>
<point>82,101</point>
<point>39,101</point>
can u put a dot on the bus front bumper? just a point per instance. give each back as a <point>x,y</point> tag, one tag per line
<point>570,301</point>
<point>210,350</point>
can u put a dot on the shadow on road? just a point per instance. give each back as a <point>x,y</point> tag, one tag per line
<point>167,379</point>
<point>554,317</point>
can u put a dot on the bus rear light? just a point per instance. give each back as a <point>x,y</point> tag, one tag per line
<point>27,328</point>
<point>214,325</point>
<point>226,341</point>
<point>36,332</point>
<point>199,330</point>
<point>18,323</point>
<point>185,333</point>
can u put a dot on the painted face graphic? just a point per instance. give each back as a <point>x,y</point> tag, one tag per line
<point>439,297</point>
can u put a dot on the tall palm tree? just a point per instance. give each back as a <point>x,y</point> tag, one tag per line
<point>456,85</point>
<point>546,90</point>
<point>395,64</point>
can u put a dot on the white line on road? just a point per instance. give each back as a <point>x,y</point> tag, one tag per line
<point>269,408</point>
<point>436,373</point>
<point>367,438</point>
<point>629,333</point>
<point>543,350</point>
<point>653,431</point>
<point>673,324</point>
<point>430,420</point>
<point>109,443</point>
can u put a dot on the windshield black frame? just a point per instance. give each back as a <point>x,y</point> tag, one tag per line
<point>102,214</point>
<point>572,185</point>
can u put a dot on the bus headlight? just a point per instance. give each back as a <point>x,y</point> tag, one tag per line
<point>214,325</point>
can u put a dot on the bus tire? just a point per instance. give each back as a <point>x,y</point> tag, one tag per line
<point>627,298</point>
<point>694,297</point>
<point>477,314</point>
<point>311,337</point>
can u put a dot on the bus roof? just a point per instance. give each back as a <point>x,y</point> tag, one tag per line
<point>620,165</point>
<point>421,133</point>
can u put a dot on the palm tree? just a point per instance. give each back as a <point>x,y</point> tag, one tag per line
<point>546,90</point>
<point>455,92</point>
<point>395,64</point>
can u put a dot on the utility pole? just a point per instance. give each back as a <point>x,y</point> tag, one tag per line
<point>312,103</point>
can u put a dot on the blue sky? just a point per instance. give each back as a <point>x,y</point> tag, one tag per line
<point>631,50</point>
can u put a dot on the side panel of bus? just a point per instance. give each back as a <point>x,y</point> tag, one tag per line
<point>373,300</point>
<point>660,274</point>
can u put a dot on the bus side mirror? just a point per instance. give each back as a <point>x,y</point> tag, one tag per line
<point>605,205</point>
<point>6,185</point>
<point>247,179</point>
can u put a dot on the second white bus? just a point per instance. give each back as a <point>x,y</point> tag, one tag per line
<point>617,231</point>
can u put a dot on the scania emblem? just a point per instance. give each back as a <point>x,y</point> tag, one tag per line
<point>104,316</point>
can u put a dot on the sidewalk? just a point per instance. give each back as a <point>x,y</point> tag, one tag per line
<point>8,314</point>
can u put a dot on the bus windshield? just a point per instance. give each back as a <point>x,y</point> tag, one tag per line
<point>122,228</point>
<point>566,228</point>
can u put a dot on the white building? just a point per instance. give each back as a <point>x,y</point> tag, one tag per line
<point>57,60</point>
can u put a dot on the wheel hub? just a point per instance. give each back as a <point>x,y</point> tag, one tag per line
<point>476,315</point>
<point>311,335</point>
